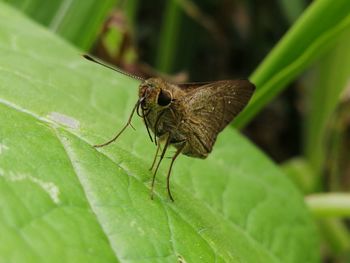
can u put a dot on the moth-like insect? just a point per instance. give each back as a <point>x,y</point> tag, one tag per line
<point>188,116</point>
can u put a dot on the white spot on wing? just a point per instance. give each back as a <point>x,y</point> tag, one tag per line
<point>64,120</point>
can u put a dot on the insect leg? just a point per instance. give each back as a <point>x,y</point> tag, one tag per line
<point>155,157</point>
<point>122,130</point>
<point>146,124</point>
<point>179,150</point>
<point>156,126</point>
<point>160,160</point>
<point>143,115</point>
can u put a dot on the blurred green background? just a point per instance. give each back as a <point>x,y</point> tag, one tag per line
<point>296,52</point>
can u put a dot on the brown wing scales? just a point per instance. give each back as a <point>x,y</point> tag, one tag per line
<point>212,107</point>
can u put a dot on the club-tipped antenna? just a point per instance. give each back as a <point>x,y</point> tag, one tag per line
<point>88,57</point>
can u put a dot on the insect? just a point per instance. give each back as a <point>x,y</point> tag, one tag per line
<point>186,116</point>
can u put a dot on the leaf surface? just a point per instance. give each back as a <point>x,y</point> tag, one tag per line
<point>63,200</point>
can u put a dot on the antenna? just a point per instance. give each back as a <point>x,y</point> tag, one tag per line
<point>88,57</point>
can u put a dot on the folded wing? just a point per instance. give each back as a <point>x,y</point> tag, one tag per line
<point>213,106</point>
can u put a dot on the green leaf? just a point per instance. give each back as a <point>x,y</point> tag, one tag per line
<point>77,21</point>
<point>317,30</point>
<point>63,200</point>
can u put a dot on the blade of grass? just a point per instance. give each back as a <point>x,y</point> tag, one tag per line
<point>292,9</point>
<point>329,205</point>
<point>130,8</point>
<point>168,37</point>
<point>336,236</point>
<point>76,21</point>
<point>317,30</point>
<point>333,75</point>
<point>329,208</point>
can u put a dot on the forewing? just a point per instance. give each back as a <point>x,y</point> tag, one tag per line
<point>213,106</point>
<point>191,86</point>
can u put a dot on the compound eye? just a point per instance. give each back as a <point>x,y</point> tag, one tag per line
<point>164,98</point>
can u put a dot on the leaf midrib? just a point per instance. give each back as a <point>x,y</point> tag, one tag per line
<point>213,211</point>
